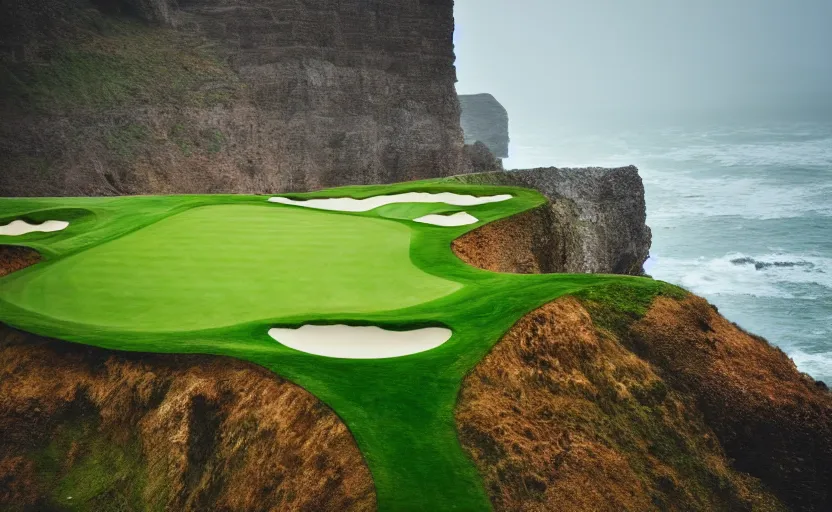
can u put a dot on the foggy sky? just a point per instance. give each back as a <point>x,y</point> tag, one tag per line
<point>546,59</point>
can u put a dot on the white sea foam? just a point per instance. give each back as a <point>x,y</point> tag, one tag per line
<point>810,153</point>
<point>739,274</point>
<point>746,197</point>
<point>816,364</point>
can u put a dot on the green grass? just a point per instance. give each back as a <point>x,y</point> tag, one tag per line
<point>103,470</point>
<point>178,274</point>
<point>223,265</point>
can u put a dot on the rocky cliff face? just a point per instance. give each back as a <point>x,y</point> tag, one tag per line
<point>485,120</point>
<point>152,96</point>
<point>594,222</point>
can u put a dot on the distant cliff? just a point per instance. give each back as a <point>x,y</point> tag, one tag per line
<point>157,96</point>
<point>485,120</point>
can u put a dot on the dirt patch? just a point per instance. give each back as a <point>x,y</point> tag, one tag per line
<point>521,244</point>
<point>137,431</point>
<point>563,416</point>
<point>14,258</point>
<point>775,422</point>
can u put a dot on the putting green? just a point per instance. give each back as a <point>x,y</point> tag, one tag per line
<point>216,266</point>
<point>216,274</point>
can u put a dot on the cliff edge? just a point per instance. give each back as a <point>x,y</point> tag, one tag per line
<point>595,222</point>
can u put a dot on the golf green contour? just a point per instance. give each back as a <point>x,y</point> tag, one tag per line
<point>230,275</point>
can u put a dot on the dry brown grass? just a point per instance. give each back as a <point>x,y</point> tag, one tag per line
<point>775,422</point>
<point>562,416</point>
<point>518,244</point>
<point>212,433</point>
<point>14,258</point>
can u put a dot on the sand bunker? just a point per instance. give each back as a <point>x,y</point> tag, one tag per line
<point>21,227</point>
<point>457,219</point>
<point>354,342</point>
<point>348,204</point>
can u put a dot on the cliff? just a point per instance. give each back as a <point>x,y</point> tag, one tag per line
<point>590,405</point>
<point>610,399</point>
<point>594,223</point>
<point>485,120</point>
<point>112,97</point>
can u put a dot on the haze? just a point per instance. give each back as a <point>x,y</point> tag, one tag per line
<point>547,61</point>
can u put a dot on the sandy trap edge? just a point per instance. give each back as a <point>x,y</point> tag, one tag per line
<point>349,204</point>
<point>360,342</point>
<point>448,221</point>
<point>21,227</point>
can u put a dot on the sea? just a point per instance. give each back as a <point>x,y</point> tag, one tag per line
<point>741,213</point>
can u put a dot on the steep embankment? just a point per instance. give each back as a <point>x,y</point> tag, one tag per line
<point>110,97</point>
<point>90,429</point>
<point>613,402</point>
<point>594,223</point>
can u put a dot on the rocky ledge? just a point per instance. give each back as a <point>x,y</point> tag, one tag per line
<point>594,223</point>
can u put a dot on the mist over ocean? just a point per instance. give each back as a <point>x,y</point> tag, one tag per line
<point>741,213</point>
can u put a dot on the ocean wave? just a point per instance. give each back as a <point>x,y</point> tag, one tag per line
<point>806,153</point>
<point>819,365</point>
<point>746,197</point>
<point>740,274</point>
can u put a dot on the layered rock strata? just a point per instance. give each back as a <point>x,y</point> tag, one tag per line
<point>204,96</point>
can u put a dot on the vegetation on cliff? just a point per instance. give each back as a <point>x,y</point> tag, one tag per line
<point>615,399</point>
<point>112,97</point>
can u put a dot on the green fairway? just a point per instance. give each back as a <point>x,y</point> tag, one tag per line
<point>213,274</point>
<point>216,266</point>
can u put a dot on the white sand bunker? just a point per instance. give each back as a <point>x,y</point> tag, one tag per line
<point>348,204</point>
<point>21,227</point>
<point>457,219</point>
<point>353,342</point>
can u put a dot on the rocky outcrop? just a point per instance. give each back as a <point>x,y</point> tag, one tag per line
<point>594,223</point>
<point>581,407</point>
<point>485,120</point>
<point>477,158</point>
<point>149,96</point>
<point>89,429</point>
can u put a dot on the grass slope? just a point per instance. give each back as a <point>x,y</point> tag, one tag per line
<point>399,410</point>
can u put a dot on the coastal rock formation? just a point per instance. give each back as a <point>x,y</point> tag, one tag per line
<point>90,429</point>
<point>485,120</point>
<point>150,96</point>
<point>582,407</point>
<point>479,159</point>
<point>594,223</point>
